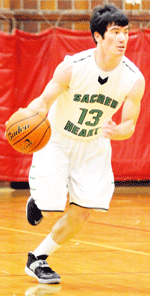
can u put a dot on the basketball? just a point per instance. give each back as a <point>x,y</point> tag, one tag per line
<point>28,131</point>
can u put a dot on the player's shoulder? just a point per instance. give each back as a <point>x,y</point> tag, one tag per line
<point>80,56</point>
<point>65,68</point>
<point>137,78</point>
<point>129,65</point>
<point>132,68</point>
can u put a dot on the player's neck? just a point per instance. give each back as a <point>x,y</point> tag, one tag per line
<point>105,62</point>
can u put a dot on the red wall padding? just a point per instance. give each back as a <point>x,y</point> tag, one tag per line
<point>27,62</point>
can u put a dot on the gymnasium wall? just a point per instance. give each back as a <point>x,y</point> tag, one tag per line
<point>27,62</point>
<point>37,15</point>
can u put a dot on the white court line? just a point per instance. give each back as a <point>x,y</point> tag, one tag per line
<point>79,241</point>
<point>111,247</point>
<point>22,231</point>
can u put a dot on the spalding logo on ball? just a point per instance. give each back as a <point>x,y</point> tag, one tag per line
<point>28,131</point>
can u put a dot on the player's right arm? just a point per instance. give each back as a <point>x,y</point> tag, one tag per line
<point>57,85</point>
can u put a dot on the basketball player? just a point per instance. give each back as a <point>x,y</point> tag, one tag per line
<point>84,93</point>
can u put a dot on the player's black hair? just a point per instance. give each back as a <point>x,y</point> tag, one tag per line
<point>103,16</point>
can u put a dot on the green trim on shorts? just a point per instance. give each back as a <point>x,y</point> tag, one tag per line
<point>94,208</point>
<point>51,211</point>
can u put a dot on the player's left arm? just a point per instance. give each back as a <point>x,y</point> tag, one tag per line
<point>130,113</point>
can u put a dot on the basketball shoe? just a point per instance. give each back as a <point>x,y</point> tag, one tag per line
<point>34,215</point>
<point>38,267</point>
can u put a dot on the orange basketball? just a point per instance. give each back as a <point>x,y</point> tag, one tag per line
<point>28,131</point>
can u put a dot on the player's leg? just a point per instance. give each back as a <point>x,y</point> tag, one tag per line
<point>48,186</point>
<point>90,185</point>
<point>69,224</point>
<point>62,231</point>
<point>49,168</point>
<point>36,264</point>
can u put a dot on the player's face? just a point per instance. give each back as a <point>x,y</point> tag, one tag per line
<point>115,40</point>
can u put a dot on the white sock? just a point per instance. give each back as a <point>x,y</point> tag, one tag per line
<point>47,247</point>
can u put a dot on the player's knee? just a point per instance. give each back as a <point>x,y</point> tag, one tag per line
<point>70,224</point>
<point>85,213</point>
<point>79,214</point>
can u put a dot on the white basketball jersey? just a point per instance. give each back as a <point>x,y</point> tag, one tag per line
<point>93,96</point>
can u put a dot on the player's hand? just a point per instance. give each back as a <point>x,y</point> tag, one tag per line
<point>108,127</point>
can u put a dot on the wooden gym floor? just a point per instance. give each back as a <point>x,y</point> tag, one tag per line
<point>109,257</point>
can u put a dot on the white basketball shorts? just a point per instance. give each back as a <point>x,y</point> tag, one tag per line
<point>82,168</point>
